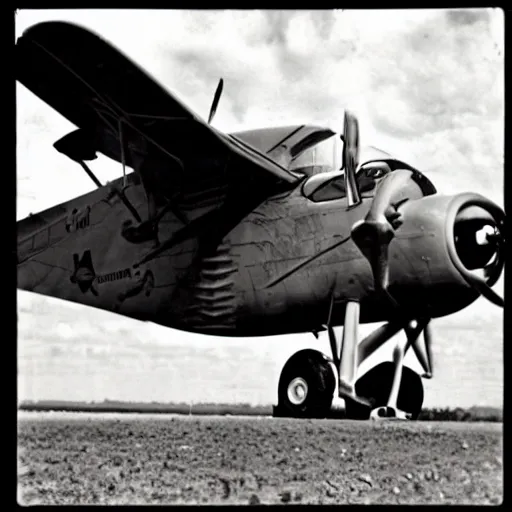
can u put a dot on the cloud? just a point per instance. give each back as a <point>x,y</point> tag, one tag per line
<point>408,74</point>
<point>470,17</point>
<point>447,77</point>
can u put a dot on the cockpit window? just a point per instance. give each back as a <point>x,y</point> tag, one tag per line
<point>331,190</point>
<point>329,186</point>
<point>325,155</point>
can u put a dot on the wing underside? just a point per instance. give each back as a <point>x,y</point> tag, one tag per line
<point>123,113</point>
<point>101,249</point>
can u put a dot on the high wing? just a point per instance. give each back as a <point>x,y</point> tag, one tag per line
<point>121,112</point>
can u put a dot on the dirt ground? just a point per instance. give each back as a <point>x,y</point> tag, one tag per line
<point>160,459</point>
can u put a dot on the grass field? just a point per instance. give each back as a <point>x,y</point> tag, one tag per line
<point>70,458</point>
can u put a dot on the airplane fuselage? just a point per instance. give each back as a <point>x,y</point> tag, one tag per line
<point>272,274</point>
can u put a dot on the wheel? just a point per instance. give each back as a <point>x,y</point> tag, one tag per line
<point>376,385</point>
<point>306,386</point>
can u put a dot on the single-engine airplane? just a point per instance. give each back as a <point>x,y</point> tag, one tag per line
<point>262,232</point>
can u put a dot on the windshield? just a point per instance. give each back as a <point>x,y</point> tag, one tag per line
<point>324,156</point>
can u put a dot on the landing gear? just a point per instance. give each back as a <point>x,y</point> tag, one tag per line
<point>390,390</point>
<point>376,386</point>
<point>306,386</point>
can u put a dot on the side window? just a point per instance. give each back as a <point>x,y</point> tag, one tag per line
<point>330,190</point>
<point>330,186</point>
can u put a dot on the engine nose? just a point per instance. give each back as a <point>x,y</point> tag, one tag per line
<point>476,240</point>
<point>476,244</point>
<point>451,251</point>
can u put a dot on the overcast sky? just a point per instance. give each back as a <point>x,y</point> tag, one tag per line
<point>427,85</point>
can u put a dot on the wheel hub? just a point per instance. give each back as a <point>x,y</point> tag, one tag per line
<point>297,391</point>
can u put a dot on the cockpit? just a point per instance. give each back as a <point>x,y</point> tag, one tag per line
<point>317,153</point>
<point>323,164</point>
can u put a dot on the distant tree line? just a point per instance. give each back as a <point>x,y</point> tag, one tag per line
<point>476,413</point>
<point>458,414</point>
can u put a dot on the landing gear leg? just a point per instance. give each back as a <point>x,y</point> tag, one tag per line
<point>391,410</point>
<point>348,358</point>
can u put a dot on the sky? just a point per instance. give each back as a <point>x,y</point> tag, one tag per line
<point>427,85</point>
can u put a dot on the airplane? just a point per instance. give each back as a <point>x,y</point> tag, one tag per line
<point>262,232</point>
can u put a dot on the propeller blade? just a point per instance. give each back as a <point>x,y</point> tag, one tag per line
<point>373,238</point>
<point>485,290</point>
<point>374,234</point>
<point>216,99</point>
<point>382,209</point>
<point>351,157</point>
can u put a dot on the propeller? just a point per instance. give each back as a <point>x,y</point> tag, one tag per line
<point>373,234</point>
<point>215,102</point>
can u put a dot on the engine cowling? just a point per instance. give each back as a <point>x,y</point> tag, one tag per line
<point>455,249</point>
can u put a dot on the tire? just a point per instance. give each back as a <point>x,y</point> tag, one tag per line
<point>306,386</point>
<point>376,385</point>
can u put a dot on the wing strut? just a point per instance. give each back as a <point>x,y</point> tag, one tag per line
<point>77,146</point>
<point>123,158</point>
<point>91,175</point>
